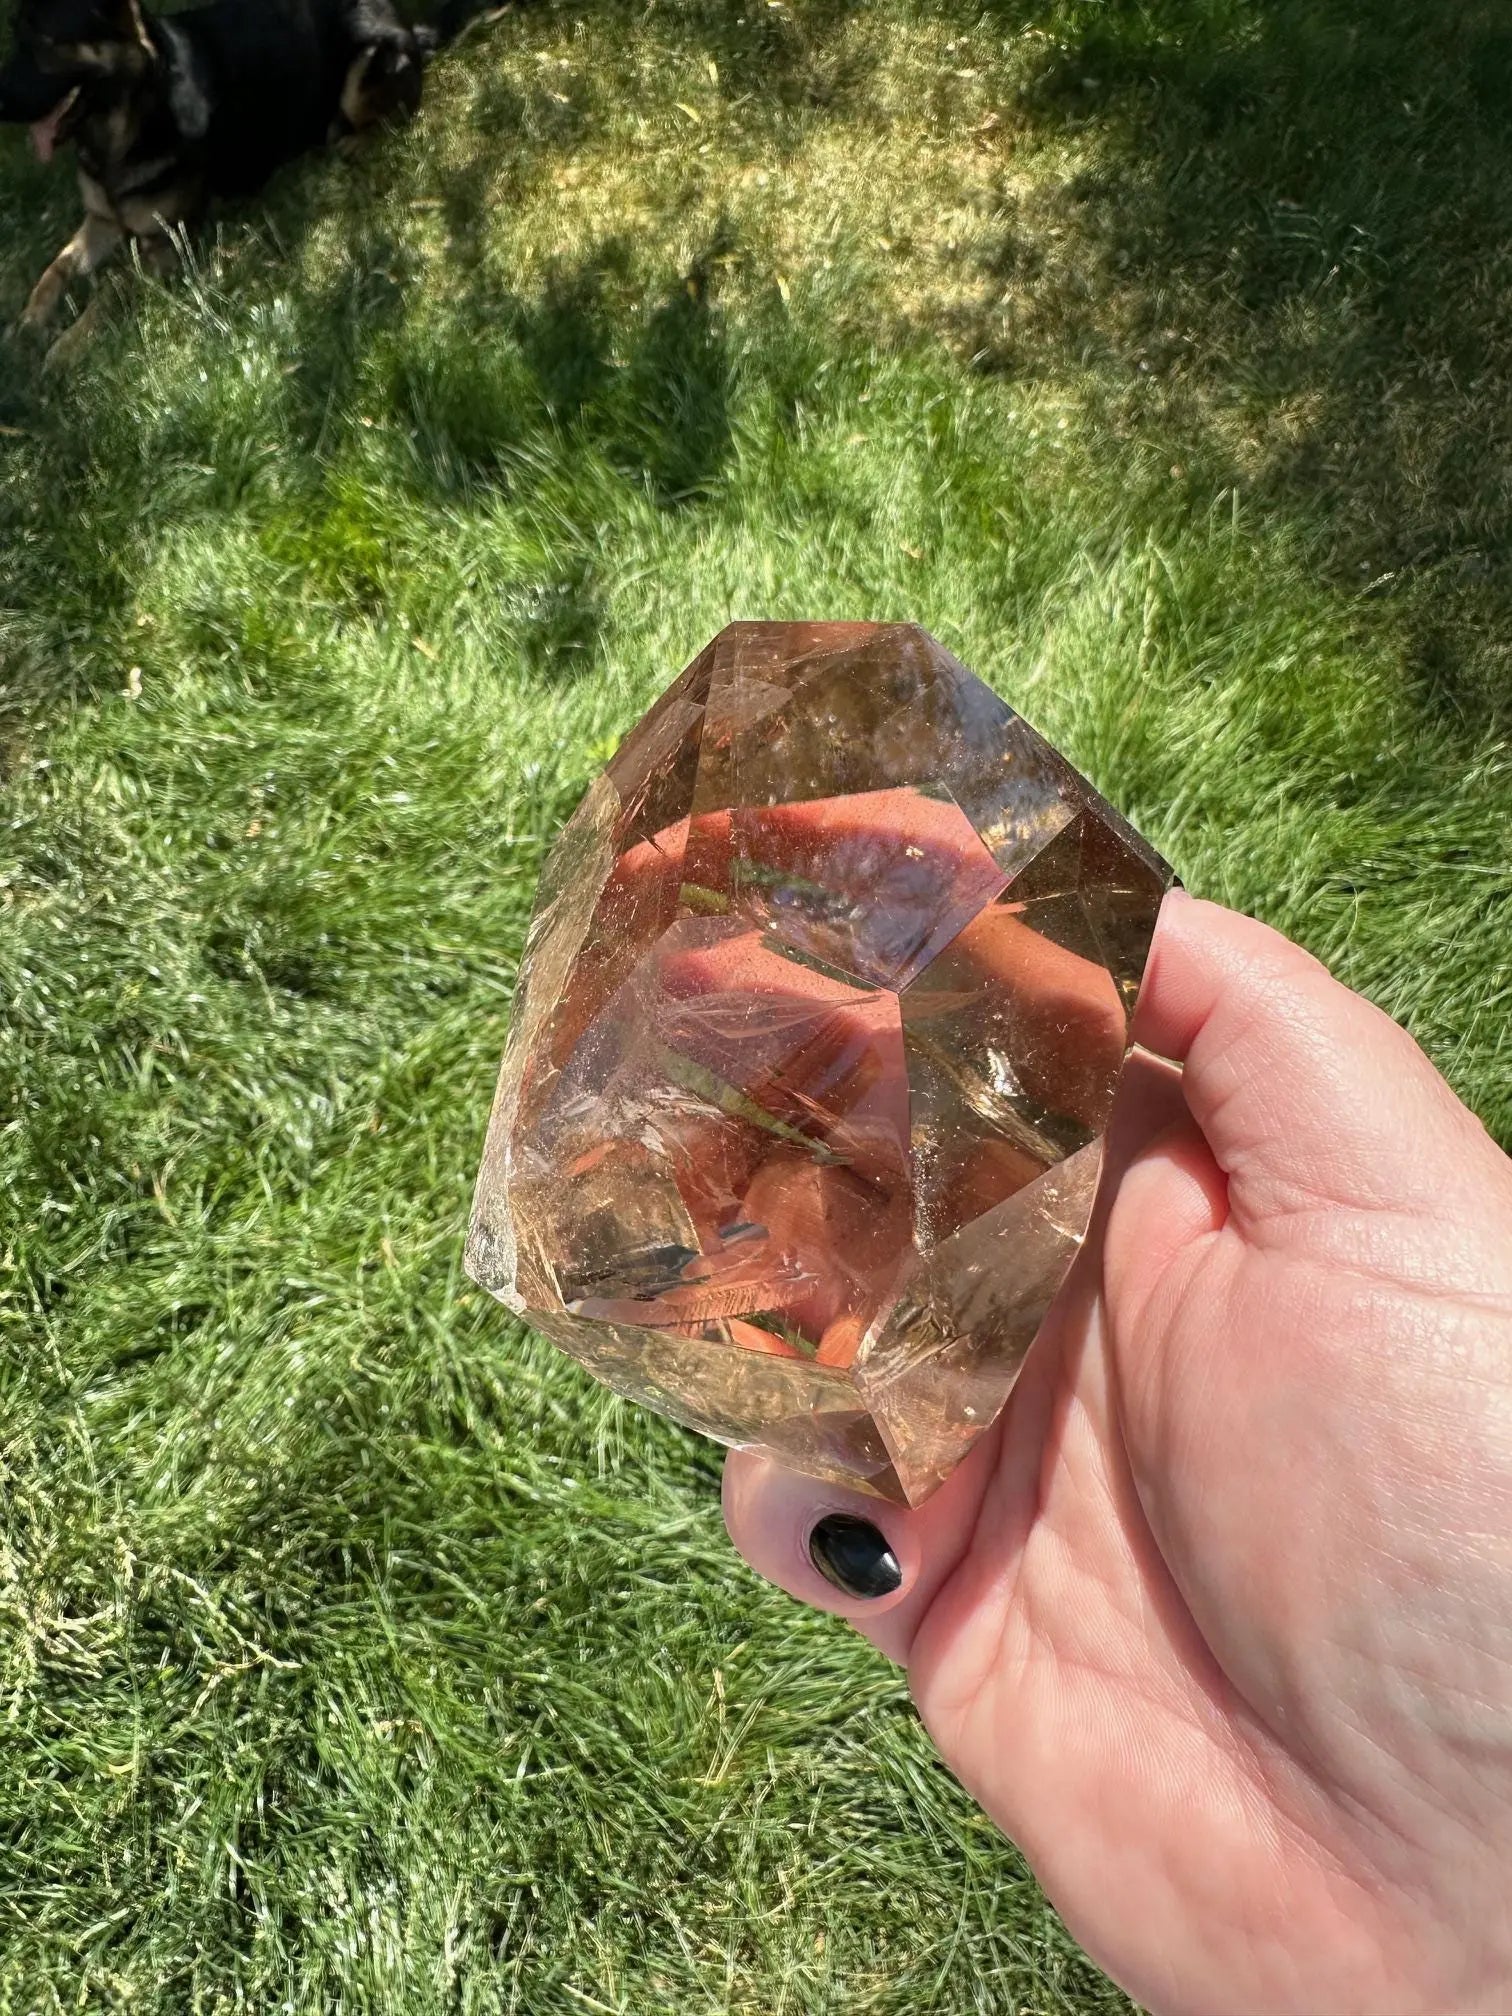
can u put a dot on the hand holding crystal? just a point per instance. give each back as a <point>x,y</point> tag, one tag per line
<point>813,1060</point>
<point>1217,1622</point>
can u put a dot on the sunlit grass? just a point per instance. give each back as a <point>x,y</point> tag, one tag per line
<point>354,1651</point>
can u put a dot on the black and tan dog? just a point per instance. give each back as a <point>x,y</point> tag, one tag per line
<point>166,113</point>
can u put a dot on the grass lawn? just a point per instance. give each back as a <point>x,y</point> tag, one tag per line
<point>356,1653</point>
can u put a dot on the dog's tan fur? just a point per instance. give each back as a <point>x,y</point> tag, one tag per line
<point>145,176</point>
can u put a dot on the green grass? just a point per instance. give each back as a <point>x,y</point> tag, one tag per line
<point>355,1652</point>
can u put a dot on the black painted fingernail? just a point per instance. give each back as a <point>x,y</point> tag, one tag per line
<point>853,1555</point>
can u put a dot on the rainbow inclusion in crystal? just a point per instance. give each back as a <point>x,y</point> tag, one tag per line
<point>823,1007</point>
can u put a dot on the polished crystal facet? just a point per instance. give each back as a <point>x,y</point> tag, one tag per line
<point>822,1011</point>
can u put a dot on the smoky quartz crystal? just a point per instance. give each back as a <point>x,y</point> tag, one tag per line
<point>823,1007</point>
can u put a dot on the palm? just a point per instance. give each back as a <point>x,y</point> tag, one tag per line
<point>1218,1625</point>
<point>1181,1682</point>
<point>1071,1688</point>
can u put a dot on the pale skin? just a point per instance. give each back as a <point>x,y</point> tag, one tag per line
<point>1217,1624</point>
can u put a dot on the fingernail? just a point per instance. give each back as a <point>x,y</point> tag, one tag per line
<point>853,1555</point>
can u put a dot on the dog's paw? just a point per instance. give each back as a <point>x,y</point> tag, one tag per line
<point>76,338</point>
<point>33,323</point>
<point>41,311</point>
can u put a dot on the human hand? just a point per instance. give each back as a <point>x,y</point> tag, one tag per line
<point>1217,1623</point>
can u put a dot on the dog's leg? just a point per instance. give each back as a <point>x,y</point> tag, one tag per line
<point>88,249</point>
<point>159,256</point>
<point>79,334</point>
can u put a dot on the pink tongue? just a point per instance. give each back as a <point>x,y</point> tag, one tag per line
<point>44,135</point>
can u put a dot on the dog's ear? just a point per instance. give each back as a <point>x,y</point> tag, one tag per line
<point>128,22</point>
<point>188,91</point>
<point>115,38</point>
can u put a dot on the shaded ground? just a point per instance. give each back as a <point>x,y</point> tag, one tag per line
<point>355,1651</point>
<point>1296,244</point>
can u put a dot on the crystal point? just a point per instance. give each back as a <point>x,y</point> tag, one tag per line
<point>822,1012</point>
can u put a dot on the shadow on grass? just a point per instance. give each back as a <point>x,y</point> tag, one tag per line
<point>1297,247</point>
<point>521,398</point>
<point>501,394</point>
<point>641,375</point>
<point>673,423</point>
<point>565,377</point>
<point>1289,261</point>
<point>609,358</point>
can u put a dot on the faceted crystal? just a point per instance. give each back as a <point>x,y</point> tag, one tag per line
<point>822,1011</point>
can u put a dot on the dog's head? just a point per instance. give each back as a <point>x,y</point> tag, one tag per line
<point>72,58</point>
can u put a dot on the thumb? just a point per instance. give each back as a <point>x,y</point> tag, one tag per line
<point>1310,1098</point>
<point>879,1565</point>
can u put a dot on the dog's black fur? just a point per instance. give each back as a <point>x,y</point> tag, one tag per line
<point>166,113</point>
